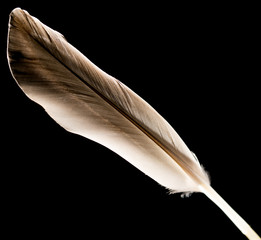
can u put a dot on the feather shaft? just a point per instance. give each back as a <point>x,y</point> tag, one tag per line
<point>241,224</point>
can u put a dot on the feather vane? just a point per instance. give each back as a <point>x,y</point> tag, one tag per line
<point>87,101</point>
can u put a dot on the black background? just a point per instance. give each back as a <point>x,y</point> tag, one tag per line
<point>197,65</point>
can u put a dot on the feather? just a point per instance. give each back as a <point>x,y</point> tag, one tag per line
<point>85,100</point>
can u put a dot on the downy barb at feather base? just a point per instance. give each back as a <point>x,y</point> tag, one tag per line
<point>85,100</point>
